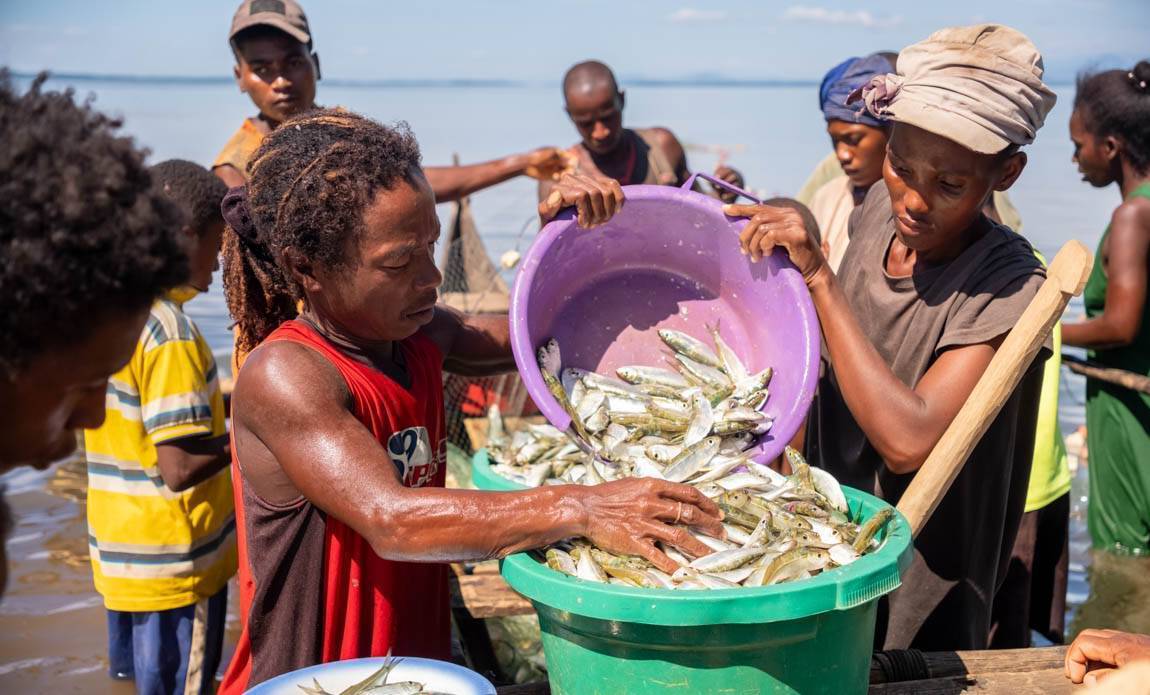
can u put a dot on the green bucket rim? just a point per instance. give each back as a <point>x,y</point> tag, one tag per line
<point>842,588</point>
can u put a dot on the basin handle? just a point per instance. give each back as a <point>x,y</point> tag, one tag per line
<point>717,182</point>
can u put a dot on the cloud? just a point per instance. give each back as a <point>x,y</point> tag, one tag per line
<point>690,14</point>
<point>821,15</point>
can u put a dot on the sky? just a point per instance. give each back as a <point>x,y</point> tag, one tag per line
<point>536,40</point>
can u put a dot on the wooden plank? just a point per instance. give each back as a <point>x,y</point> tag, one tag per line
<point>1000,660</point>
<point>491,567</point>
<point>1048,682</point>
<point>905,665</point>
<point>487,596</point>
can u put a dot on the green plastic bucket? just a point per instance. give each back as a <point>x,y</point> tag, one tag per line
<point>813,636</point>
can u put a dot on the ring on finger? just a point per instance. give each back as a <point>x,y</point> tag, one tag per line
<point>678,514</point>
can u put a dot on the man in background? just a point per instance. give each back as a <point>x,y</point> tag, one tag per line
<point>594,103</point>
<point>278,68</point>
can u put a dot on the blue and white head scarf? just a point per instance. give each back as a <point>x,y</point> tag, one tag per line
<point>845,78</point>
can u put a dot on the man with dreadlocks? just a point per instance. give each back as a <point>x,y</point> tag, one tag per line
<point>338,421</point>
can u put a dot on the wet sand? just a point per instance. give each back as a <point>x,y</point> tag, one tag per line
<point>53,631</point>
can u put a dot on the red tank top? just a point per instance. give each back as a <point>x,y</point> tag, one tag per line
<point>311,589</point>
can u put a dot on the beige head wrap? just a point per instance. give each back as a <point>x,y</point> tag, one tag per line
<point>980,86</point>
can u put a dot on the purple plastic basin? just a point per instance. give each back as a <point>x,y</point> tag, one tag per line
<point>669,259</point>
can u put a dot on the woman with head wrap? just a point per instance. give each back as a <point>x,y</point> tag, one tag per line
<point>924,297</point>
<point>859,141</point>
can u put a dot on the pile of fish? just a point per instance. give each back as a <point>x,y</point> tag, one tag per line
<point>375,684</point>
<point>693,424</point>
<point>650,421</point>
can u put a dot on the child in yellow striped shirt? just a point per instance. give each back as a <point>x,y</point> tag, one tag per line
<point>160,510</point>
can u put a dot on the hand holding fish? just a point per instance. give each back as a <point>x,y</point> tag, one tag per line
<point>628,516</point>
<point>769,226</point>
<point>596,199</point>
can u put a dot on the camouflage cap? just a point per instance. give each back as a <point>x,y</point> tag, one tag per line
<point>285,15</point>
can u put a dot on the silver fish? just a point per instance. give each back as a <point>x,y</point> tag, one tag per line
<point>842,554</point>
<point>549,357</point>
<point>719,467</point>
<point>732,365</point>
<point>702,419</point>
<point>598,420</point>
<point>601,382</point>
<point>741,414</point>
<point>692,459</point>
<point>753,383</point>
<point>561,561</point>
<point>646,468</point>
<point>691,347</point>
<point>620,405</point>
<point>737,443</point>
<point>591,402</point>
<point>742,481</point>
<point>738,576</point>
<point>727,559</point>
<point>496,434</point>
<point>663,453</point>
<point>587,568</point>
<point>706,375</point>
<point>828,487</point>
<point>737,535</point>
<point>670,408</point>
<point>711,542</point>
<point>537,473</point>
<point>654,375</point>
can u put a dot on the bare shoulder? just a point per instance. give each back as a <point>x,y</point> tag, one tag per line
<point>1133,213</point>
<point>663,136</point>
<point>282,379</point>
<point>672,149</point>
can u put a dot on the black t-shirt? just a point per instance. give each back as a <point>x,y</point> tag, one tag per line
<point>960,554</point>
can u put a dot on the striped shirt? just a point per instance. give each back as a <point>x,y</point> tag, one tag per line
<point>154,549</point>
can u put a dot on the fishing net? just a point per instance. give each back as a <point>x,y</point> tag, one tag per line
<point>472,283</point>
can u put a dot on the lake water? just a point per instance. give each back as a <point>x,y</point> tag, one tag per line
<point>775,135</point>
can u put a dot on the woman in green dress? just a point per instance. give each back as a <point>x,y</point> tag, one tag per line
<point>1110,128</point>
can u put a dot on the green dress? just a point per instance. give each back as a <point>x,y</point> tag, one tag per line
<point>1118,432</point>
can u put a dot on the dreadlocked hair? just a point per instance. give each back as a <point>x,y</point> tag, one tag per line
<point>309,184</point>
<point>258,297</point>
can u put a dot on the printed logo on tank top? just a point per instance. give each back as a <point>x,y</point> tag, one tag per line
<point>411,452</point>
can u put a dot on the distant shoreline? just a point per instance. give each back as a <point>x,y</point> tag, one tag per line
<point>445,83</point>
<point>416,83</point>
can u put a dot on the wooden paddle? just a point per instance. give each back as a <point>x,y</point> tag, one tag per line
<point>1065,278</point>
